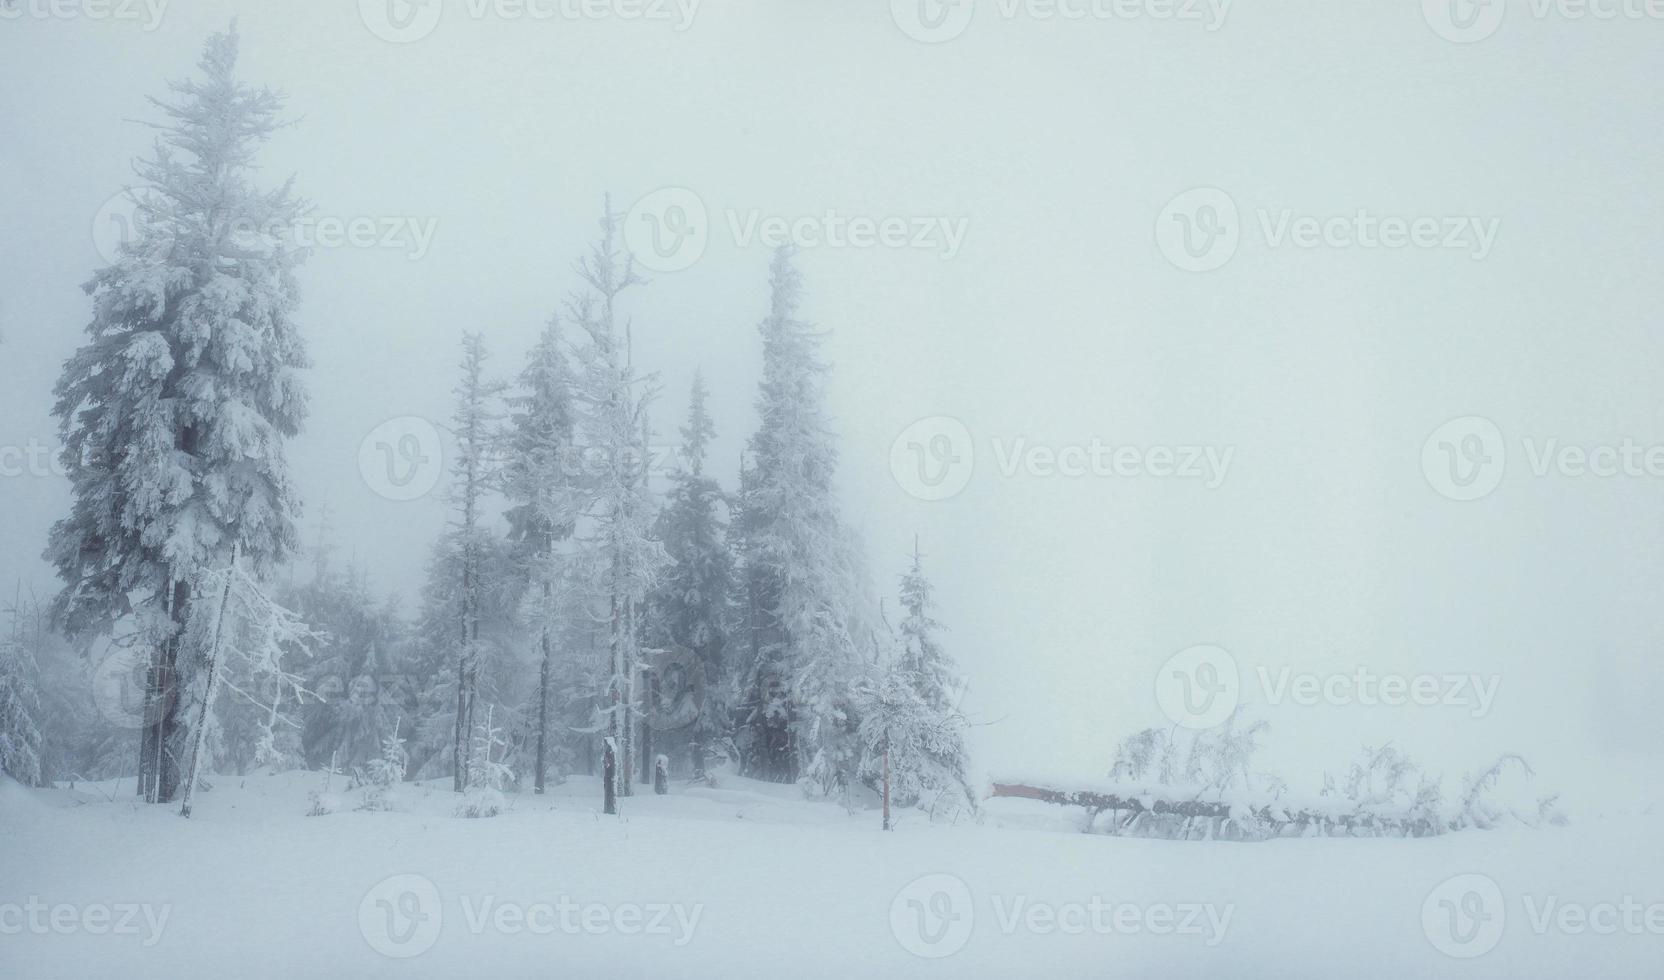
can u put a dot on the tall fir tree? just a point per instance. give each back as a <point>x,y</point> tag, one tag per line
<point>623,556</point>
<point>173,416</point>
<point>798,713</point>
<point>691,605</point>
<point>544,502</point>
<point>475,429</point>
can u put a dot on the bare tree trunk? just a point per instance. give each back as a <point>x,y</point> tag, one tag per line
<point>886,783</point>
<point>158,758</point>
<point>609,777</point>
<point>650,695</point>
<point>543,708</point>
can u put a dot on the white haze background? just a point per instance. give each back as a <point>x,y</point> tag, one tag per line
<point>1059,321</point>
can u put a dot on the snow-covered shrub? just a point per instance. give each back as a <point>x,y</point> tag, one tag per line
<point>322,803</point>
<point>481,801</point>
<point>486,776</point>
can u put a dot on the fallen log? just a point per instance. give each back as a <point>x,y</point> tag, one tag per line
<point>1257,820</point>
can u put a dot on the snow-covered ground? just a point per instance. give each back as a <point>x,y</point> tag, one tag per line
<point>748,880</point>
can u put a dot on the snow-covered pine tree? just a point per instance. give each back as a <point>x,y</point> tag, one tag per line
<point>623,557</point>
<point>173,416</point>
<point>544,502</point>
<point>934,672</point>
<point>912,731</point>
<point>475,422</point>
<point>691,604</point>
<point>798,710</point>
<point>20,717</point>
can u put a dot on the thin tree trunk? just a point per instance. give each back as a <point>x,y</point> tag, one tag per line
<point>886,783</point>
<point>650,694</point>
<point>609,777</point>
<point>200,736</point>
<point>543,709</point>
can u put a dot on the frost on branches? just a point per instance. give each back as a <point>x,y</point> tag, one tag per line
<point>174,414</point>
<point>1186,785</point>
<point>912,732</point>
<point>621,555</point>
<point>237,642</point>
<point>544,502</point>
<point>802,568</point>
<point>20,718</point>
<point>690,606</point>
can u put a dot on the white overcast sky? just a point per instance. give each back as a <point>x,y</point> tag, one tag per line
<point>1058,322</point>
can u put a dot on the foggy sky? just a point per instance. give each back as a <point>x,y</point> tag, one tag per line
<point>1058,321</point>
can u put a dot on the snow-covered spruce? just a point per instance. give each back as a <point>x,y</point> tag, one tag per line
<point>802,568</point>
<point>174,413</point>
<point>621,555</point>
<point>544,502</point>
<point>690,608</point>
<point>912,732</point>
